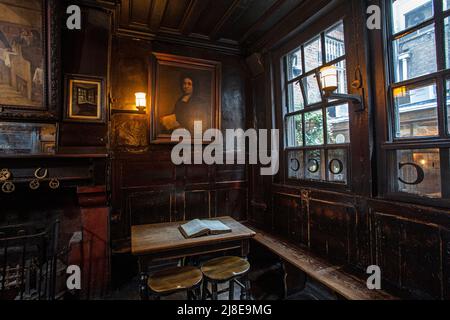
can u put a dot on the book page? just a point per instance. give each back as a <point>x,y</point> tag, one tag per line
<point>216,226</point>
<point>194,228</point>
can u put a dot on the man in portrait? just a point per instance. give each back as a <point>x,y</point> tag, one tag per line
<point>190,107</point>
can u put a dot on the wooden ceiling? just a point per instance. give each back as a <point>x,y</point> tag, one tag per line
<point>227,24</point>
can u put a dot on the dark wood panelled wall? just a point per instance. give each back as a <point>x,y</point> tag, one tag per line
<point>147,187</point>
<point>354,226</point>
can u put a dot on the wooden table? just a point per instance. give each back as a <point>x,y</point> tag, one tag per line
<point>164,241</point>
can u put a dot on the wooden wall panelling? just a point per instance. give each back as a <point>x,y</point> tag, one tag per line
<point>387,233</point>
<point>363,256</point>
<point>87,52</point>
<point>409,255</point>
<point>287,216</point>
<point>421,264</point>
<point>130,71</point>
<point>333,229</point>
<point>197,204</point>
<point>150,207</point>
<point>445,238</point>
<point>231,202</point>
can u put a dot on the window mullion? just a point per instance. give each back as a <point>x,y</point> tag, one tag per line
<point>445,172</point>
<point>439,31</point>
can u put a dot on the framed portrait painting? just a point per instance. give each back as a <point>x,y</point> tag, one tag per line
<point>187,90</point>
<point>85,101</point>
<point>29,59</point>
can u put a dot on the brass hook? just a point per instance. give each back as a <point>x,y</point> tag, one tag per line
<point>36,174</point>
<point>5,174</point>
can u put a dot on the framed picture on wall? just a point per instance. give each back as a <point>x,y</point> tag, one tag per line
<point>185,90</point>
<point>29,61</point>
<point>85,100</point>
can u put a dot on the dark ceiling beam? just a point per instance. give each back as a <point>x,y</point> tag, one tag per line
<point>158,10</point>
<point>291,24</point>
<point>216,32</point>
<point>193,14</point>
<point>268,14</point>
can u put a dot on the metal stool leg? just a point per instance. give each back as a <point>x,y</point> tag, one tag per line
<point>205,289</point>
<point>231,291</point>
<point>214,290</point>
<point>245,290</point>
<point>198,293</point>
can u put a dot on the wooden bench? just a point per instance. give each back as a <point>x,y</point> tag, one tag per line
<point>331,276</point>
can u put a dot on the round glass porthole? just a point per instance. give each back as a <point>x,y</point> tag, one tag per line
<point>336,166</point>
<point>313,165</point>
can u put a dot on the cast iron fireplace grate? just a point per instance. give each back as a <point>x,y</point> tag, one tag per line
<point>28,262</point>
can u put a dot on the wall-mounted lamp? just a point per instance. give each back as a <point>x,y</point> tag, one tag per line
<point>329,81</point>
<point>141,101</point>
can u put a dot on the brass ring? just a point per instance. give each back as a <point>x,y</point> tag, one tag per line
<point>36,174</point>
<point>54,184</point>
<point>8,187</point>
<point>5,174</point>
<point>34,184</point>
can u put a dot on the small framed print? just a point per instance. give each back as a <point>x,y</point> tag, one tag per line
<point>85,101</point>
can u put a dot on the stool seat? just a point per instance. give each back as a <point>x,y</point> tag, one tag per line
<point>175,279</point>
<point>225,268</point>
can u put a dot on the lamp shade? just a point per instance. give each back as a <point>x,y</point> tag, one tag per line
<point>141,101</point>
<point>329,78</point>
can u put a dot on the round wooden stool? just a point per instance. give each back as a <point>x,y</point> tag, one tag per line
<point>176,279</point>
<point>226,269</point>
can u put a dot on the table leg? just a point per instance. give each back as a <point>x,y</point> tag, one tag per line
<point>245,248</point>
<point>143,279</point>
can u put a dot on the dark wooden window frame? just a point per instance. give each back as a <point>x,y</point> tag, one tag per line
<point>280,58</point>
<point>387,140</point>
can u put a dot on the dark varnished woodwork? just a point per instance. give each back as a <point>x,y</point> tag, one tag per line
<point>175,279</point>
<point>87,52</point>
<point>225,268</point>
<point>93,254</point>
<point>165,237</point>
<point>351,225</point>
<point>221,26</point>
<point>333,276</point>
<point>143,176</point>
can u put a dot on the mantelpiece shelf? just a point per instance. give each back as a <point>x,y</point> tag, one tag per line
<point>54,156</point>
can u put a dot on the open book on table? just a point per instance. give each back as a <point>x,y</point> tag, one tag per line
<point>197,228</point>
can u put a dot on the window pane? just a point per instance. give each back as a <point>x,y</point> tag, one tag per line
<point>338,124</point>
<point>446,4</point>
<point>337,165</point>
<point>314,128</point>
<point>296,101</point>
<point>418,172</point>
<point>295,64</point>
<point>416,111</point>
<point>409,13</point>
<point>312,90</point>
<point>295,165</point>
<point>313,54</point>
<point>315,168</point>
<point>448,106</point>
<point>342,77</point>
<point>447,41</point>
<point>415,54</point>
<point>294,131</point>
<point>334,42</point>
